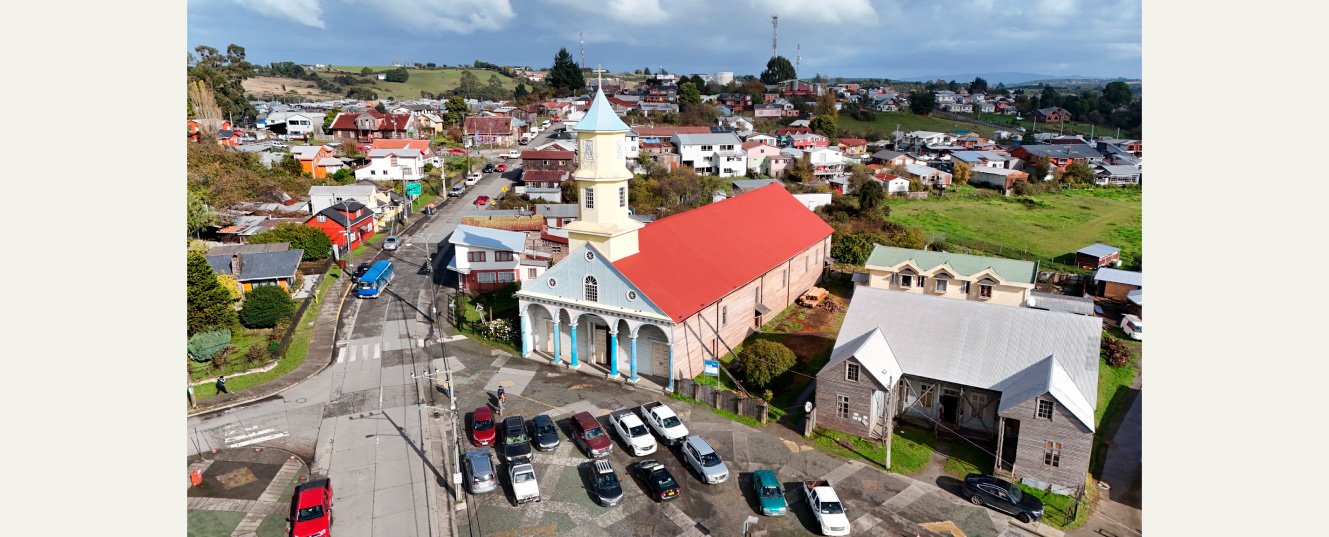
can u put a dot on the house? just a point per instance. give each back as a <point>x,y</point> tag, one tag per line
<point>556,215</point>
<point>958,108</point>
<point>486,259</point>
<point>322,196</point>
<point>393,165</point>
<point>242,228</point>
<point>370,125</point>
<point>783,133</point>
<point>544,178</point>
<point>797,87</point>
<point>656,287</point>
<point>1025,377</point>
<point>777,165</point>
<point>763,138</point>
<point>946,96</point>
<point>1114,283</point>
<point>256,269</point>
<point>890,158</point>
<point>976,159</point>
<point>294,124</point>
<point>736,101</point>
<point>826,163</point>
<point>768,110</point>
<point>747,185</point>
<point>228,138</point>
<point>893,184</point>
<point>814,200</point>
<point>916,141</point>
<point>494,131</point>
<point>565,161</point>
<point>854,146</point>
<point>1097,255</point>
<point>1108,174</point>
<point>928,175</point>
<point>1060,156</point>
<point>712,154</point>
<point>347,223</point>
<point>977,278</point>
<point>808,141</point>
<point>736,123</point>
<point>758,152</point>
<point>1050,115</point>
<point>312,159</point>
<point>1001,179</point>
<point>426,151</point>
<point>557,109</point>
<point>1135,303</point>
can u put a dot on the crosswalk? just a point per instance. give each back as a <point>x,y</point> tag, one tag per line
<point>236,435</point>
<point>353,351</point>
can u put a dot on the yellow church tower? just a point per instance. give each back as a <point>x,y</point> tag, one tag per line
<point>602,184</point>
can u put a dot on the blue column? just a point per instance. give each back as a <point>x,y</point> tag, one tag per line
<point>574,345</point>
<point>525,337</point>
<point>671,367</point>
<point>633,363</point>
<point>558,344</point>
<point>613,353</point>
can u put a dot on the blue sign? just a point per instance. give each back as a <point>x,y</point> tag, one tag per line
<point>711,367</point>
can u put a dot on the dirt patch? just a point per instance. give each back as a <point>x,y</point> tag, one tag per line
<point>807,348</point>
<point>280,85</point>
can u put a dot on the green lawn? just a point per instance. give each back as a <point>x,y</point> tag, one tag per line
<point>909,448</point>
<point>272,526</point>
<point>1068,128</point>
<point>424,199</point>
<point>241,339</point>
<point>1111,380</point>
<point>967,458</point>
<point>1049,227</point>
<point>1054,508</point>
<point>433,81</point>
<point>751,422</point>
<point>200,523</point>
<point>886,122</point>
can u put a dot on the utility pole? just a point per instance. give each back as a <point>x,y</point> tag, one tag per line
<point>581,47</point>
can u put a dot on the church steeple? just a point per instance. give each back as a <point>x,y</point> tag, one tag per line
<point>602,183</point>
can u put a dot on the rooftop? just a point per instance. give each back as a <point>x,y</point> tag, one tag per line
<point>967,265</point>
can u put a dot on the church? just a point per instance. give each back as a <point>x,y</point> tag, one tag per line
<point>634,300</point>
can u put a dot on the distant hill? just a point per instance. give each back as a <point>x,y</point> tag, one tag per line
<point>1007,78</point>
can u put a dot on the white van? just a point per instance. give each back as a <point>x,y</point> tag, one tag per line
<point>1133,327</point>
<point>544,124</point>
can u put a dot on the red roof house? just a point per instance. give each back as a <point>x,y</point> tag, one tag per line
<point>371,125</point>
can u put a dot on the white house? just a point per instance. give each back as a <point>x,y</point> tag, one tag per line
<point>826,163</point>
<point>292,124</point>
<point>321,197</point>
<point>812,201</point>
<point>487,259</point>
<point>917,140</point>
<point>393,165</point>
<point>893,184</point>
<point>712,154</point>
<point>928,175</point>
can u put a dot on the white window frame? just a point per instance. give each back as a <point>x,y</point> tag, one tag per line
<point>906,280</point>
<point>484,277</point>
<point>530,273</point>
<point>507,277</point>
<point>590,289</point>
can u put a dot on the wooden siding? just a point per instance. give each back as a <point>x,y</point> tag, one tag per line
<point>1115,290</point>
<point>1087,261</point>
<point>832,383</point>
<point>1076,443</point>
<point>612,289</point>
<point>982,419</point>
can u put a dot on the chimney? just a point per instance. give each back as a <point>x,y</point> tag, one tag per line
<point>237,264</point>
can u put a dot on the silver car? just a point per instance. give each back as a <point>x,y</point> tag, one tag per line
<point>480,475</point>
<point>705,460</point>
<point>391,243</point>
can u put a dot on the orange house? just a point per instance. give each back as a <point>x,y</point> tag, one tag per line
<point>309,155</point>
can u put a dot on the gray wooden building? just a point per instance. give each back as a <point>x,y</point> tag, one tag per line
<point>1023,377</point>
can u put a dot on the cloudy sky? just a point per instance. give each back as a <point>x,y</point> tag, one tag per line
<point>848,38</point>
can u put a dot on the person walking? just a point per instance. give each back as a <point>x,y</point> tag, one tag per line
<point>221,384</point>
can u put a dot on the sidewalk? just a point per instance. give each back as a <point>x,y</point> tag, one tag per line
<point>321,343</point>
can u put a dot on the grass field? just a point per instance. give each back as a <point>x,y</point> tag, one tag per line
<point>887,121</point>
<point>433,80</point>
<point>1052,226</point>
<point>1067,128</point>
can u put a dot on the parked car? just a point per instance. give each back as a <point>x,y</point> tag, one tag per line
<point>279,144</point>
<point>455,151</point>
<point>482,426</point>
<point>633,432</point>
<point>311,508</point>
<point>546,434</point>
<point>826,506</point>
<point>360,271</point>
<point>665,422</point>
<point>590,436</point>
<point>501,167</point>
<point>705,460</point>
<point>1003,496</point>
<point>489,167</point>
<point>608,491</point>
<point>473,179</point>
<point>1133,326</point>
<point>524,487</point>
<point>769,493</point>
<point>516,446</point>
<point>479,467</point>
<point>456,191</point>
<point>392,242</point>
<point>482,200</point>
<point>659,482</point>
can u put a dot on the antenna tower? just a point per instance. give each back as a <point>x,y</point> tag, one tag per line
<point>798,55</point>
<point>581,46</point>
<point>775,32</point>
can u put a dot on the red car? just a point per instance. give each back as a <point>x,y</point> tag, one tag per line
<point>501,168</point>
<point>455,151</point>
<point>312,509</point>
<point>482,200</point>
<point>482,426</point>
<point>590,436</point>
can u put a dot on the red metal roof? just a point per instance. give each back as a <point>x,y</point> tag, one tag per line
<point>548,155</point>
<point>489,125</point>
<point>853,141</point>
<point>422,145</point>
<point>665,132</point>
<point>690,260</point>
<point>544,176</point>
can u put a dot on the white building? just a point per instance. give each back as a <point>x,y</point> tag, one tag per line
<point>293,124</point>
<point>488,259</point>
<point>393,165</point>
<point>321,197</point>
<point>712,154</point>
<point>723,77</point>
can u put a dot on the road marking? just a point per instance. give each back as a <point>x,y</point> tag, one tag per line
<point>341,354</point>
<point>845,470</point>
<point>258,439</point>
<point>378,350</point>
<point>352,358</point>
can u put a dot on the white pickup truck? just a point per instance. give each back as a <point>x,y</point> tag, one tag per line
<point>511,154</point>
<point>524,487</point>
<point>633,432</point>
<point>665,422</point>
<point>826,506</point>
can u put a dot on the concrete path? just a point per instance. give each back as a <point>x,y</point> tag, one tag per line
<point>1118,511</point>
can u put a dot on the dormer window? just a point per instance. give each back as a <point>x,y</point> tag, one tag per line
<point>985,288</point>
<point>907,278</point>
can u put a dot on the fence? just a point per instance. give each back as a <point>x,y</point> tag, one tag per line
<point>723,399</point>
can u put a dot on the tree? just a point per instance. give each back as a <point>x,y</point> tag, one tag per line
<point>870,195</point>
<point>960,174</point>
<point>209,304</point>
<point>825,126</point>
<point>199,215</point>
<point>204,345</point>
<point>826,105</point>
<point>456,109</point>
<point>778,69</point>
<point>853,248</point>
<point>1048,97</point>
<point>978,85</point>
<point>494,88</point>
<point>761,361</point>
<point>565,75</point>
<point>1028,138</point>
<point>330,117</point>
<point>568,189</point>
<point>1117,93</point>
<point>1078,172</point>
<point>430,65</point>
<point>366,71</point>
<point>922,102</point>
<point>398,75</point>
<point>800,172</point>
<point>520,91</point>
<point>688,95</point>
<point>266,305</point>
<point>312,240</point>
<point>646,71</point>
<point>232,286</point>
<point>469,86</point>
<point>916,186</point>
<point>224,74</point>
<point>953,86</point>
<point>663,71</point>
<point>1042,168</point>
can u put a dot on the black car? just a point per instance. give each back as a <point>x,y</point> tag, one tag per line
<point>360,270</point>
<point>516,446</point>
<point>659,482</point>
<point>489,168</point>
<point>546,434</point>
<point>1002,495</point>
<point>607,489</point>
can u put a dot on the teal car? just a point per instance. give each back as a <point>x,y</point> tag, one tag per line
<point>770,493</point>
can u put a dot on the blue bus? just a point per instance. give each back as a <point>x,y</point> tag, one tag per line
<point>374,281</point>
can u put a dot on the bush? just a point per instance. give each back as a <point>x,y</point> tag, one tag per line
<point>204,345</point>
<point>265,306</point>
<point>762,361</point>
<point>313,241</point>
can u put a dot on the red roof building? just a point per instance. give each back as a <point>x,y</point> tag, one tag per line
<point>371,125</point>
<point>544,178</point>
<point>565,161</point>
<point>422,145</point>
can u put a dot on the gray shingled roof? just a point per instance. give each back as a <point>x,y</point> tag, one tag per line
<point>260,265</point>
<point>1020,352</point>
<point>232,249</point>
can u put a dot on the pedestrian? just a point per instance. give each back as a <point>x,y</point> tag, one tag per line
<point>221,384</point>
<point>502,402</point>
<point>500,393</point>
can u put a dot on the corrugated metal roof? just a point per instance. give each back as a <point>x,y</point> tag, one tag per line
<point>232,249</point>
<point>1136,296</point>
<point>1098,250</point>
<point>495,239</point>
<point>990,346</point>
<point>1070,304</point>
<point>755,183</point>
<point>1127,277</point>
<point>724,138</point>
<point>966,265</point>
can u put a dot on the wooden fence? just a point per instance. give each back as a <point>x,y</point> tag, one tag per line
<point>723,399</point>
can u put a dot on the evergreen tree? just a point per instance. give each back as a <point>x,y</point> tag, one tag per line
<point>922,102</point>
<point>688,94</point>
<point>778,69</point>
<point>266,305</point>
<point>520,91</point>
<point>209,304</point>
<point>565,74</point>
